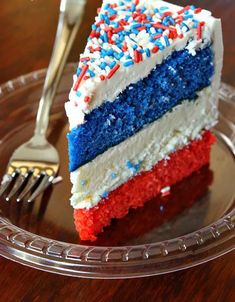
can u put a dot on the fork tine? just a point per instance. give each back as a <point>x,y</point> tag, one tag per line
<point>32,181</point>
<point>17,186</point>
<point>46,181</point>
<point>7,179</point>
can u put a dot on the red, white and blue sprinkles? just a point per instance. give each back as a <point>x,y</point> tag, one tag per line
<point>127,32</point>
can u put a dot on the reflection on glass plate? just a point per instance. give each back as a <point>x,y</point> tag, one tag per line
<point>194,224</point>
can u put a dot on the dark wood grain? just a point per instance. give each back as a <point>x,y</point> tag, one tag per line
<point>27,30</point>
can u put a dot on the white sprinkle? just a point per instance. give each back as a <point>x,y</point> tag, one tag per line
<point>153,30</point>
<point>106,46</point>
<point>117,49</point>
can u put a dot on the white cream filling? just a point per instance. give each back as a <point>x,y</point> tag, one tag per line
<point>76,108</point>
<point>155,142</point>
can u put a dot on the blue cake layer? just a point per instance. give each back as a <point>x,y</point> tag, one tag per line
<point>178,78</point>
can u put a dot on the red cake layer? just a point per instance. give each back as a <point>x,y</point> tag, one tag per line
<point>144,221</point>
<point>143,187</point>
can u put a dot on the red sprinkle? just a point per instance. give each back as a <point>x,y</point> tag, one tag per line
<point>157,36</point>
<point>199,30</point>
<point>80,77</point>
<point>159,25</point>
<point>167,14</point>
<point>141,28</point>
<point>114,5</point>
<point>155,49</point>
<point>111,18</point>
<point>86,78</point>
<point>118,29</point>
<point>85,59</point>
<point>97,48</point>
<point>167,193</point>
<point>124,48</point>
<point>197,10</point>
<point>87,99</point>
<point>102,77</point>
<point>183,9</point>
<point>113,70</point>
<point>136,56</point>
<point>99,23</point>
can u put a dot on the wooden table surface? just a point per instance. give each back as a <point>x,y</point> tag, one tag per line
<point>27,30</point>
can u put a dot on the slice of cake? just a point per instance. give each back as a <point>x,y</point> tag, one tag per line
<point>143,100</point>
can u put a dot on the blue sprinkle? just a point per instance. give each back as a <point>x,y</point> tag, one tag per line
<point>156,10</point>
<point>106,6</point>
<point>192,7</point>
<point>116,56</point>
<point>121,54</point>
<point>136,25</point>
<point>143,9</point>
<point>137,168</point>
<point>167,41</point>
<point>195,23</point>
<point>171,20</point>
<point>129,164</point>
<point>112,64</point>
<point>105,37</point>
<point>113,175</point>
<point>184,25</point>
<point>163,8</point>
<point>134,46</point>
<point>135,31</point>
<point>83,182</point>
<point>103,65</point>
<point>92,74</point>
<point>78,71</point>
<point>141,50</point>
<point>110,52</point>
<point>133,7</point>
<point>128,63</point>
<point>188,17</point>
<point>105,195</point>
<point>112,11</point>
<point>115,24</point>
<point>106,19</point>
<point>93,27</point>
<point>148,53</point>
<point>78,93</point>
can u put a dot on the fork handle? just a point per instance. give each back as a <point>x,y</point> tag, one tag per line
<point>71,12</point>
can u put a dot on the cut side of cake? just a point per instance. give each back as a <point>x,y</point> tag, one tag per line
<point>143,100</point>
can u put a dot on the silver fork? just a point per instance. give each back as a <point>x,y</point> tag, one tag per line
<point>34,165</point>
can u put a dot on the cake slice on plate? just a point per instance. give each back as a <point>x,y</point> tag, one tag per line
<point>143,100</point>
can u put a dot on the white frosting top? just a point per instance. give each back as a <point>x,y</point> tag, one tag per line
<point>128,39</point>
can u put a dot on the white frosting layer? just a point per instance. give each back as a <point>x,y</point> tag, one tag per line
<point>101,91</point>
<point>155,142</point>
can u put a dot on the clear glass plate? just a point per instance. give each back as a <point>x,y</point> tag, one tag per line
<point>194,224</point>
